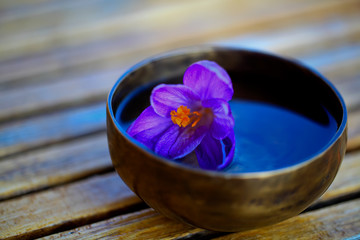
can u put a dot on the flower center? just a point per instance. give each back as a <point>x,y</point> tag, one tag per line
<point>183,117</point>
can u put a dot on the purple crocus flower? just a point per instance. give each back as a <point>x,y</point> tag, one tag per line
<point>192,116</point>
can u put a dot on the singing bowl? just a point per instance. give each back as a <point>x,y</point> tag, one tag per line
<point>222,201</point>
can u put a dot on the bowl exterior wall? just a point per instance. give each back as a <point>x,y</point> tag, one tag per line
<point>222,203</point>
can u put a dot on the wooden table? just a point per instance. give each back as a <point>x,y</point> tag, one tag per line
<point>58,61</point>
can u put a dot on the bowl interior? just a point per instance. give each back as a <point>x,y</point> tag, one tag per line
<point>284,113</point>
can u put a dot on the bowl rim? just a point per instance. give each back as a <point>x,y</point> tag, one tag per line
<point>342,128</point>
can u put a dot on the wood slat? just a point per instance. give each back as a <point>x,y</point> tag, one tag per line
<point>146,224</point>
<point>146,18</point>
<point>78,203</point>
<point>106,193</point>
<point>152,35</point>
<point>56,127</point>
<point>93,86</point>
<point>56,94</point>
<point>59,164</point>
<point>336,222</point>
<point>300,39</point>
<point>30,15</point>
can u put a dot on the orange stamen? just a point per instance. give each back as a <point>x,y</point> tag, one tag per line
<point>183,117</point>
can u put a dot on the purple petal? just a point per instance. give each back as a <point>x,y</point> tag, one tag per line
<point>229,149</point>
<point>177,141</point>
<point>209,153</point>
<point>165,98</point>
<point>209,80</point>
<point>149,127</point>
<point>213,154</point>
<point>223,121</point>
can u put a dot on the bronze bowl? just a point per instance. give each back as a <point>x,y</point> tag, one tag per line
<point>223,201</point>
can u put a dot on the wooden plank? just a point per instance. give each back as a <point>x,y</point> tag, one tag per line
<point>38,214</point>
<point>300,39</point>
<point>94,86</point>
<point>145,17</point>
<point>349,88</point>
<point>327,223</point>
<point>103,192</point>
<point>29,15</point>
<point>59,164</point>
<point>153,36</point>
<point>54,94</point>
<point>146,224</point>
<point>27,134</point>
<point>336,222</point>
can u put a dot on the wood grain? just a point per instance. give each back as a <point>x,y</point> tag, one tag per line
<point>88,200</point>
<point>336,222</point>
<point>146,224</point>
<point>55,94</point>
<point>59,164</point>
<point>94,85</point>
<point>55,127</point>
<point>328,223</point>
<point>104,43</point>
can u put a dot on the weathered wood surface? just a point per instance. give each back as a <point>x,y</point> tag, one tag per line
<point>71,205</point>
<point>59,164</point>
<point>147,224</point>
<point>114,41</point>
<point>58,60</point>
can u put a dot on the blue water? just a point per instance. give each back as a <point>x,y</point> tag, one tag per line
<point>269,137</point>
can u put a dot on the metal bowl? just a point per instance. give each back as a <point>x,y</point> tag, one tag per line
<point>217,200</point>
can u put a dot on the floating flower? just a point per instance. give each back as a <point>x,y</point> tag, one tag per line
<point>192,116</point>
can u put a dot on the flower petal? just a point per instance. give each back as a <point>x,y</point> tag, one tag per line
<point>149,127</point>
<point>167,97</point>
<point>209,80</point>
<point>209,153</point>
<point>229,149</point>
<point>213,154</point>
<point>223,121</point>
<point>176,142</point>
